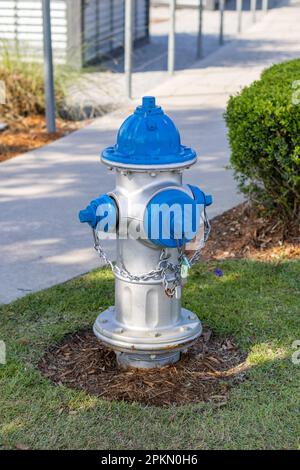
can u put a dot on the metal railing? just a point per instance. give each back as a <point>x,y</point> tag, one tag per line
<point>199,48</point>
<point>128,46</point>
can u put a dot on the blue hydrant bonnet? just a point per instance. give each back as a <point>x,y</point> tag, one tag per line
<point>148,138</point>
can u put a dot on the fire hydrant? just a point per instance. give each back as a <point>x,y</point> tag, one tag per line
<point>154,218</point>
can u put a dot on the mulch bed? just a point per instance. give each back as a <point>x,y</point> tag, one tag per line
<point>211,366</point>
<point>205,373</point>
<point>30,132</point>
<point>244,232</point>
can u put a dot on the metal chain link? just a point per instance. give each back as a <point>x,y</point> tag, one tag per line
<point>169,273</point>
<point>206,232</point>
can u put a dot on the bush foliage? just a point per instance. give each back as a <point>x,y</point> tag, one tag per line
<point>263,123</point>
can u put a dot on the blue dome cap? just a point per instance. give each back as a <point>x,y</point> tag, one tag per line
<point>148,137</point>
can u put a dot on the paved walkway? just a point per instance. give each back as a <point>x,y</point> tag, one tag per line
<point>42,242</point>
<point>106,88</point>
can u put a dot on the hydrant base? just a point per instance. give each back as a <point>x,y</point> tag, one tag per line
<point>147,348</point>
<point>147,361</point>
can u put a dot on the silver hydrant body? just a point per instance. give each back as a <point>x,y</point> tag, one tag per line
<point>153,217</point>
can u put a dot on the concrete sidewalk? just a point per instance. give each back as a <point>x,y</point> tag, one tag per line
<point>106,87</point>
<point>42,242</point>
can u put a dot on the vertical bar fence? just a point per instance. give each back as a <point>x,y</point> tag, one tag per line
<point>199,37</point>
<point>171,41</point>
<point>128,46</point>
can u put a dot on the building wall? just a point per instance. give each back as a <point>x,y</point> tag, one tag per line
<point>207,4</point>
<point>83,31</point>
<point>21,27</point>
<point>103,27</point>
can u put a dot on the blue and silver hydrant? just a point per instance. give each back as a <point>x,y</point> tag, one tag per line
<point>155,219</point>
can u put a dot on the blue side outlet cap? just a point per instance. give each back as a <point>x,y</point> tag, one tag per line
<point>88,215</point>
<point>200,196</point>
<point>98,209</point>
<point>208,199</point>
<point>171,218</point>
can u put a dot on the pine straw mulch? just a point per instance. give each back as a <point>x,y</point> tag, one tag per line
<point>244,232</point>
<point>205,373</point>
<point>28,133</point>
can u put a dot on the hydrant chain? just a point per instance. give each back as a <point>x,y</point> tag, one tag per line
<point>206,232</point>
<point>164,268</point>
<point>161,272</point>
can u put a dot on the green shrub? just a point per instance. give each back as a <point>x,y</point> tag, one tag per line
<point>264,136</point>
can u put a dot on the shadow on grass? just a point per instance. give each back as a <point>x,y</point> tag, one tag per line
<point>256,303</point>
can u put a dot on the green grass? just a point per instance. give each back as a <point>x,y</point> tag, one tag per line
<point>256,303</point>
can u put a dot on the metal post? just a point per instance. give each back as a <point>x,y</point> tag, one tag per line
<point>16,27</point>
<point>265,5</point>
<point>221,8</point>
<point>253,10</point>
<point>239,9</point>
<point>171,42</point>
<point>128,46</point>
<point>48,68</point>
<point>200,38</point>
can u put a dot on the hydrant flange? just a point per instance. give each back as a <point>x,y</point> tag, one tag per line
<point>154,345</point>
